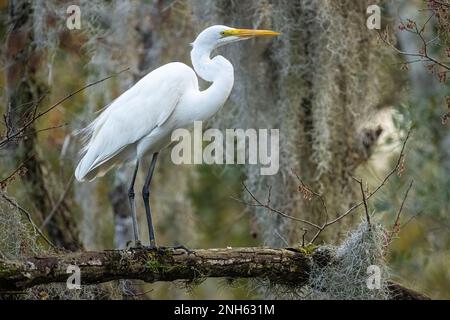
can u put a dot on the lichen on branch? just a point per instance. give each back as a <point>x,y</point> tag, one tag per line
<point>288,267</point>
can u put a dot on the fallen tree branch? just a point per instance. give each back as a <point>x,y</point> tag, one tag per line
<point>284,266</point>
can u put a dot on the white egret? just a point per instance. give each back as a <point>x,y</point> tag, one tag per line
<point>141,120</point>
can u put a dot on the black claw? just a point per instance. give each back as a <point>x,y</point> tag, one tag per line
<point>180,246</point>
<point>137,245</point>
<point>129,244</point>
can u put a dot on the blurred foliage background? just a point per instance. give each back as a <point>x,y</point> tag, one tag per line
<point>328,83</point>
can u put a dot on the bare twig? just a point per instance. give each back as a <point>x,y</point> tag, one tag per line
<point>423,55</point>
<point>397,165</point>
<point>396,226</point>
<point>317,195</point>
<point>320,228</point>
<point>386,178</point>
<point>305,231</point>
<point>258,203</point>
<point>42,113</point>
<point>36,106</point>
<point>58,204</point>
<point>366,209</point>
<point>286,243</point>
<point>411,219</point>
<point>12,174</point>
<point>26,115</point>
<point>23,135</point>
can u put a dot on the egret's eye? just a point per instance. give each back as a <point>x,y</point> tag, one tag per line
<point>222,33</point>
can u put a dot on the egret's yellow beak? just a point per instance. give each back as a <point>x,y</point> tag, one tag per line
<point>247,33</point>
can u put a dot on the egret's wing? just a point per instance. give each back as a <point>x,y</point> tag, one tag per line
<point>133,115</point>
<point>165,114</point>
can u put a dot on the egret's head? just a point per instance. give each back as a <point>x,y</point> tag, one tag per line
<point>217,36</point>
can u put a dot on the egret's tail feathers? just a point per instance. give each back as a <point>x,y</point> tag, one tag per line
<point>83,171</point>
<point>91,175</point>
<point>93,165</point>
<point>90,167</point>
<point>85,164</point>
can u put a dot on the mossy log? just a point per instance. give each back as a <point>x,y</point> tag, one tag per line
<point>288,266</point>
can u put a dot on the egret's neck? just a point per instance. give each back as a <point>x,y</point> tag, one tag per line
<point>220,72</point>
<point>208,69</point>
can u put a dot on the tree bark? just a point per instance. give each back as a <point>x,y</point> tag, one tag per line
<point>283,266</point>
<point>24,89</point>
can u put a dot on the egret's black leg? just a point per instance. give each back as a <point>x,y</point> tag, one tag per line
<point>146,197</point>
<point>133,205</point>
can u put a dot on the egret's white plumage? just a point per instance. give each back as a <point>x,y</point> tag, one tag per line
<point>141,120</point>
<point>134,118</point>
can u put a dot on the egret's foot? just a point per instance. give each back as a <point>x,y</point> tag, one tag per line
<point>176,247</point>
<point>138,244</point>
<point>152,245</point>
<point>134,245</point>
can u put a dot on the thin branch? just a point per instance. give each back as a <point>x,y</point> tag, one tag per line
<point>403,203</point>
<point>397,165</point>
<point>366,209</point>
<point>58,204</point>
<point>316,194</point>
<point>396,226</point>
<point>20,166</point>
<point>281,213</point>
<point>413,54</point>
<point>351,209</point>
<point>36,106</point>
<point>23,135</point>
<point>305,231</point>
<point>327,223</point>
<point>411,219</point>
<point>425,24</point>
<point>407,62</point>
<point>42,113</point>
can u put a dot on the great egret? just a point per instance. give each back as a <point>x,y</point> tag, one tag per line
<point>141,120</point>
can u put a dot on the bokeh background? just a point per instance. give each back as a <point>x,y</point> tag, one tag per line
<point>342,98</point>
